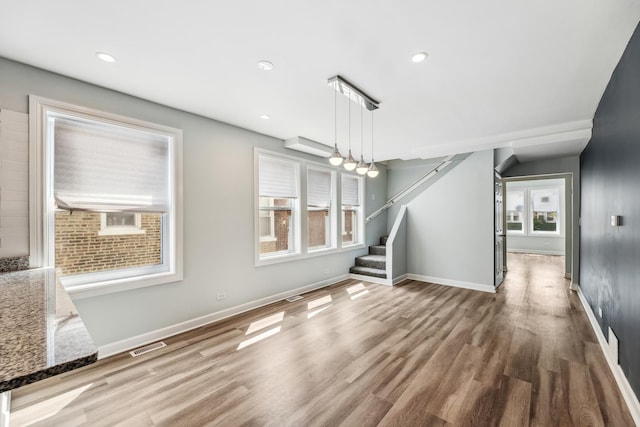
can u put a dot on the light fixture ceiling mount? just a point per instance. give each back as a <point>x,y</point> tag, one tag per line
<point>352,92</point>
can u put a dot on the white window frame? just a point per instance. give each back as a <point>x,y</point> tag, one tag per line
<point>527,213</point>
<point>333,220</point>
<point>42,205</point>
<point>301,219</point>
<point>533,232</point>
<point>272,224</point>
<point>360,232</point>
<point>116,230</point>
<point>524,215</point>
<point>295,222</point>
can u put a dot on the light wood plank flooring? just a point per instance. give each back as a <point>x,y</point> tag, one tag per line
<point>359,354</point>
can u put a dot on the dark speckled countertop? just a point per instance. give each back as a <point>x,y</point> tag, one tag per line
<point>41,333</point>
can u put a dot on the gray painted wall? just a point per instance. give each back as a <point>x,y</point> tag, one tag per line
<point>610,271</point>
<point>218,214</point>
<point>450,224</point>
<point>559,166</point>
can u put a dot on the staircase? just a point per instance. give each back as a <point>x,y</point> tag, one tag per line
<point>374,264</point>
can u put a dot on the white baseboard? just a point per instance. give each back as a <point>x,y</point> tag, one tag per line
<point>371,279</point>
<point>628,394</point>
<point>178,328</point>
<point>378,280</point>
<point>535,252</point>
<point>400,278</point>
<point>454,283</point>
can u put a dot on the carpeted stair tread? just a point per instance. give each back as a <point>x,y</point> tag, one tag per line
<point>377,250</point>
<point>383,240</point>
<point>372,261</point>
<point>367,271</point>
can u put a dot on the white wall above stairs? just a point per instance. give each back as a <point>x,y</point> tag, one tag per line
<point>450,230</point>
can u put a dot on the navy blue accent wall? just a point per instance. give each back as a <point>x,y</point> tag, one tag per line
<point>610,169</point>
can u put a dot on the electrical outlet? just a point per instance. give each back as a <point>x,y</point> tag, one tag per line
<point>600,312</point>
<point>221,295</point>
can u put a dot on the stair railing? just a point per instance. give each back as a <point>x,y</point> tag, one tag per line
<point>407,190</point>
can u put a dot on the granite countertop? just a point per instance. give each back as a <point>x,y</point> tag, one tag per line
<point>41,333</point>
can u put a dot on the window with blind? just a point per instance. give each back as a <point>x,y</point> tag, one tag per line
<point>110,198</point>
<point>299,210</point>
<point>515,212</point>
<point>278,200</point>
<point>320,211</point>
<point>352,213</point>
<point>545,209</point>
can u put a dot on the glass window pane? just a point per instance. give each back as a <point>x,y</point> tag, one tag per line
<point>545,203</point>
<point>318,225</point>
<point>80,248</point>
<point>349,226</point>
<point>121,219</point>
<point>276,225</point>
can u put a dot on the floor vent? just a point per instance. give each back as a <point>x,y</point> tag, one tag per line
<point>147,348</point>
<point>294,298</point>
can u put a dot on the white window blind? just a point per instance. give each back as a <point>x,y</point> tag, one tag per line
<point>104,167</point>
<point>278,177</point>
<point>319,188</point>
<point>515,201</point>
<point>350,191</point>
<point>546,200</point>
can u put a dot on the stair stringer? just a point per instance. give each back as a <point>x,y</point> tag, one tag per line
<point>397,247</point>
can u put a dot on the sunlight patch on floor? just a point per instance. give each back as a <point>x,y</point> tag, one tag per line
<point>319,302</point>
<point>355,288</point>
<point>265,322</point>
<point>46,409</point>
<point>318,311</point>
<point>259,337</point>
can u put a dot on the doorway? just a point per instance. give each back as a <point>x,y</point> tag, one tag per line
<point>538,216</point>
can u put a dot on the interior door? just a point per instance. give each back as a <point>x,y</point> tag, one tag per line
<point>499,240</point>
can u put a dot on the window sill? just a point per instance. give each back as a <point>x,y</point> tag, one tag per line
<point>120,231</point>
<point>109,286</point>
<point>556,235</point>
<point>312,254</point>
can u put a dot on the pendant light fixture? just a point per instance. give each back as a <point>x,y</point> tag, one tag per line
<point>350,163</point>
<point>336,158</point>
<point>356,95</point>
<point>361,167</point>
<point>372,172</point>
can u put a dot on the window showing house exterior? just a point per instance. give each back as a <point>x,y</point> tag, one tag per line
<point>533,211</point>
<point>545,206</point>
<point>278,206</point>
<point>110,216</point>
<point>515,211</point>
<point>120,223</point>
<point>84,245</point>
<point>298,209</point>
<point>320,209</point>
<point>351,209</point>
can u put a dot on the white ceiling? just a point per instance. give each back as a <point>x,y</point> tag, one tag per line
<point>500,73</point>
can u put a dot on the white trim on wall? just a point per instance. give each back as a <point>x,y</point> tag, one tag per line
<point>627,392</point>
<point>454,283</point>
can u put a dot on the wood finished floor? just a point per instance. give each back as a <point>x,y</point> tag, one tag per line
<point>361,355</point>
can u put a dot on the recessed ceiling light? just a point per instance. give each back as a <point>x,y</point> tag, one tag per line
<point>265,117</point>
<point>419,57</point>
<point>106,57</point>
<point>265,65</point>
